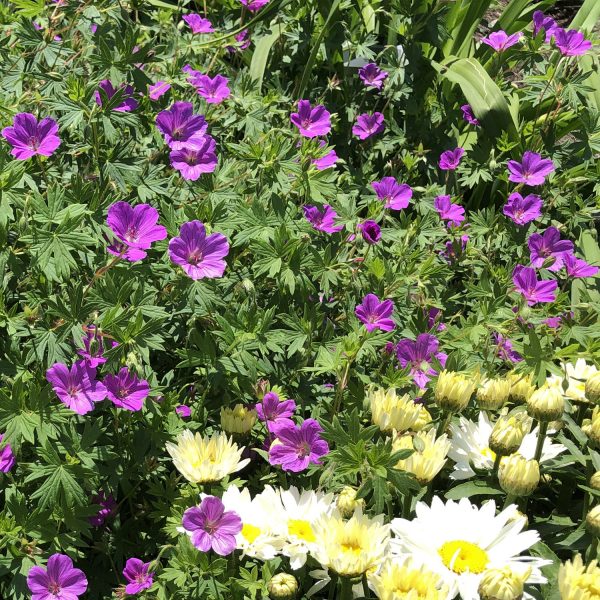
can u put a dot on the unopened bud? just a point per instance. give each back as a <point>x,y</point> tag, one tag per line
<point>592,521</point>
<point>518,476</point>
<point>282,586</point>
<point>546,404</point>
<point>493,393</point>
<point>347,503</point>
<point>453,391</point>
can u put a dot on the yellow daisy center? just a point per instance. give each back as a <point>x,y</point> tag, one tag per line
<point>301,529</point>
<point>488,453</point>
<point>352,546</point>
<point>250,532</point>
<point>460,556</point>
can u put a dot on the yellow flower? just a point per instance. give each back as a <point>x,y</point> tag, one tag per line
<point>546,403</point>
<point>390,411</point>
<point>508,433</point>
<point>429,454</point>
<point>595,481</point>
<point>423,420</point>
<point>578,582</point>
<point>518,476</point>
<point>592,521</point>
<point>238,419</point>
<point>453,391</point>
<point>203,459</point>
<point>592,388</point>
<point>520,386</point>
<point>493,393</point>
<point>592,428</point>
<point>347,503</point>
<point>282,586</point>
<point>503,584</point>
<point>405,579</point>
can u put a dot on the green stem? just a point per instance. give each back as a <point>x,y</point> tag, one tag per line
<point>509,500</point>
<point>592,551</point>
<point>497,463</point>
<point>540,440</point>
<point>345,588</point>
<point>444,420</point>
<point>406,506</point>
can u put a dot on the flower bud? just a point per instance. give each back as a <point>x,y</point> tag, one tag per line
<point>282,586</point>
<point>508,433</point>
<point>595,481</point>
<point>518,476</point>
<point>546,403</point>
<point>592,388</point>
<point>503,584</point>
<point>238,419</point>
<point>493,393</point>
<point>592,521</point>
<point>520,386</point>
<point>347,503</point>
<point>453,391</point>
<point>390,411</point>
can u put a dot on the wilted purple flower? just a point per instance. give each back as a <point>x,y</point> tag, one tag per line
<point>297,447</point>
<point>395,195</point>
<point>500,40</point>
<point>76,387</point>
<point>180,126</point>
<point>468,115</point>
<point>135,229</point>
<point>199,255</point>
<point>577,267</point>
<point>214,90</point>
<point>453,213</point>
<point>548,246</point>
<point>523,210</point>
<point>210,526</point>
<point>327,161</point>
<point>454,248</point>
<point>450,159</point>
<point>571,42</point>
<point>534,291</point>
<point>108,507</point>
<point>254,5</point>
<point>198,24</point>
<point>185,412</point>
<point>541,21</point>
<point>125,390</point>
<point>504,348</point>
<point>322,221</point>
<point>311,122</point>
<point>28,137</point>
<point>367,125</point>
<point>418,354</point>
<point>7,458</point>
<point>275,412</point>
<point>243,39</point>
<point>196,157</point>
<point>432,319</point>
<point>58,581</point>
<point>137,576</point>
<point>372,76</point>
<point>370,230</point>
<point>375,314</point>
<point>128,103</point>
<point>158,89</point>
<point>532,169</point>
<point>93,347</point>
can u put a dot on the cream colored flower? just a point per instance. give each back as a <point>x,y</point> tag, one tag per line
<point>390,411</point>
<point>508,433</point>
<point>238,419</point>
<point>282,586</point>
<point>429,454</point>
<point>576,581</point>
<point>503,584</point>
<point>453,391</point>
<point>546,403</point>
<point>493,393</point>
<point>518,476</point>
<point>576,376</point>
<point>521,386</point>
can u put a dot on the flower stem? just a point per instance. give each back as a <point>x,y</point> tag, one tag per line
<point>497,463</point>
<point>406,506</point>
<point>345,588</point>
<point>540,440</point>
<point>592,551</point>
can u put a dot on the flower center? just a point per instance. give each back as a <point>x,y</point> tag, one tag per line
<point>351,547</point>
<point>33,142</point>
<point>460,556</point>
<point>54,587</point>
<point>211,527</point>
<point>123,392</point>
<point>73,391</point>
<point>303,450</point>
<point>131,235</point>
<point>301,529</point>
<point>191,157</point>
<point>488,453</point>
<point>306,123</point>
<point>140,578</point>
<point>250,532</point>
<point>195,257</point>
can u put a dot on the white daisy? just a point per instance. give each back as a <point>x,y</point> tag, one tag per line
<point>576,375</point>
<point>470,447</point>
<point>460,541</point>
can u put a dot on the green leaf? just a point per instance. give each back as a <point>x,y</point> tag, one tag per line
<point>587,16</point>
<point>472,488</point>
<point>260,57</point>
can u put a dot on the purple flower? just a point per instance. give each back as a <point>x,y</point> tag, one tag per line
<point>367,125</point>
<point>417,356</point>
<point>58,581</point>
<point>375,314</point>
<point>372,76</point>
<point>454,248</point>
<point>93,347</point>
<point>370,231</point>
<point>395,195</point>
<point>196,157</point>
<point>504,349</point>
<point>548,246</point>
<point>532,169</point>
<point>311,122</point>
<point>534,291</point>
<point>36,26</point>
<point>185,412</point>
<point>327,161</point>
<point>577,267</point>
<point>126,390</point>
<point>453,213</point>
<point>180,126</point>
<point>93,27</point>
<point>243,39</point>
<point>7,458</point>
<point>199,255</point>
<point>500,41</point>
<point>76,387</point>
<point>322,221</point>
<point>135,229</point>
<point>254,5</point>
<point>468,115</point>
<point>137,576</point>
<point>274,412</point>
<point>198,24</point>
<point>523,210</point>
<point>571,42</point>
<point>450,159</point>
<point>158,89</point>
<point>432,319</point>
<point>210,526</point>
<point>297,447</point>
<point>128,103</point>
<point>29,137</point>
<point>108,507</point>
<point>214,90</point>
<point>542,22</point>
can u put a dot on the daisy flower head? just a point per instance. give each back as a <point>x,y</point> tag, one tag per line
<point>392,412</point>
<point>578,581</point>
<point>576,376</point>
<point>428,458</point>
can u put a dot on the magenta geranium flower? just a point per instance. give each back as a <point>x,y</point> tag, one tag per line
<point>327,161</point>
<point>532,289</point>
<point>368,125</point>
<point>375,314</point>
<point>29,137</point>
<point>417,355</point>
<point>198,24</point>
<point>297,447</point>
<point>577,267</point>
<point>137,574</point>
<point>372,76</point>
<point>455,248</point>
<point>532,170</point>
<point>199,255</point>
<point>275,412</point>
<point>450,159</point>
<point>370,230</point>
<point>128,102</point>
<point>185,412</point>
<point>158,89</point>
<point>453,213</point>
<point>76,387</point>
<point>125,390</point>
<point>500,40</point>
<point>395,195</point>
<point>93,347</point>
<point>548,246</point>
<point>7,458</point>
<point>197,156</point>
<point>571,42</point>
<point>254,5</point>
<point>59,580</point>
<point>108,507</point>
<point>468,115</point>
<point>135,229</point>
<point>542,22</point>
<point>210,526</point>
<point>322,221</point>
<point>311,122</point>
<point>213,89</point>
<point>523,210</point>
<point>180,126</point>
<point>433,316</point>
<point>504,349</point>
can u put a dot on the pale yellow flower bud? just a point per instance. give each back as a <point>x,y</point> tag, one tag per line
<point>391,412</point>
<point>503,584</point>
<point>520,386</point>
<point>429,454</point>
<point>592,388</point>
<point>592,521</point>
<point>282,586</point>
<point>546,403</point>
<point>347,503</point>
<point>518,476</point>
<point>423,419</point>
<point>592,427</point>
<point>453,391</point>
<point>508,433</point>
<point>576,581</point>
<point>238,419</point>
<point>493,393</point>
<point>595,481</point>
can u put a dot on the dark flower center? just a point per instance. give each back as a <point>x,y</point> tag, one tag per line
<point>54,587</point>
<point>195,257</point>
<point>73,391</point>
<point>303,450</point>
<point>123,392</point>
<point>191,158</point>
<point>33,142</point>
